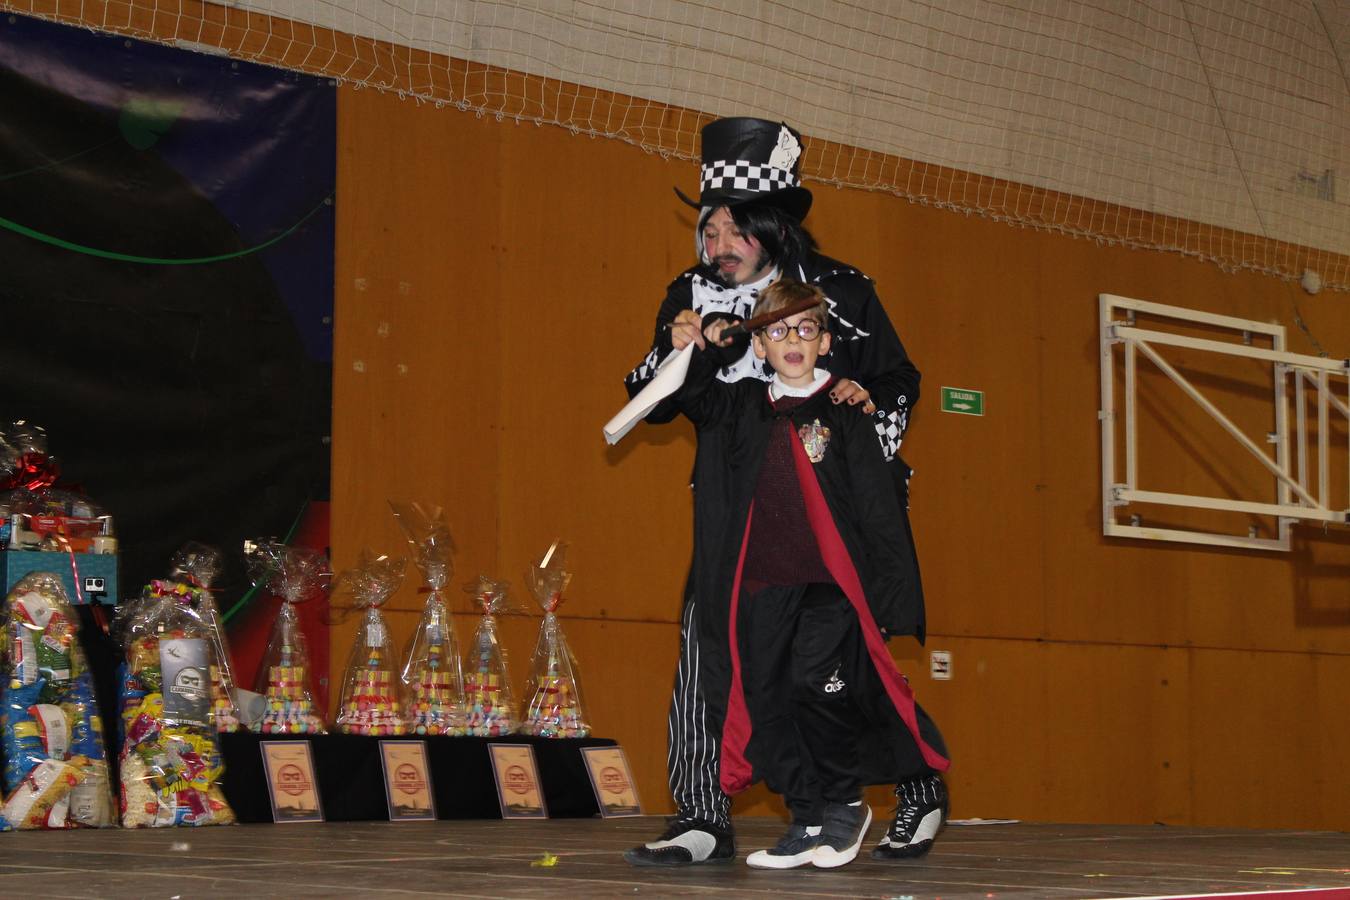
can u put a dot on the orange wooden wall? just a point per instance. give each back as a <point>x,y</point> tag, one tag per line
<point>495,282</point>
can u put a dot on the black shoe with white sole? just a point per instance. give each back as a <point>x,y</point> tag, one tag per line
<point>793,849</point>
<point>687,842</point>
<point>920,813</point>
<point>842,835</point>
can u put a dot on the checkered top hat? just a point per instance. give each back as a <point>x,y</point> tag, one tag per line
<point>751,159</point>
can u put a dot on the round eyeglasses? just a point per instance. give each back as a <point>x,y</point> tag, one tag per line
<point>807,330</point>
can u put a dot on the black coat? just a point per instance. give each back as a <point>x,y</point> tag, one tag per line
<point>860,524</point>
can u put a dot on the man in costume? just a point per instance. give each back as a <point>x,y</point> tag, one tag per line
<point>749,230</point>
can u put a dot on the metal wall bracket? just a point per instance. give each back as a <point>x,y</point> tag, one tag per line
<point>1294,498</point>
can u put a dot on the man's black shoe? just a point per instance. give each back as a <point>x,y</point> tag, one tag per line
<point>686,842</point>
<point>920,813</point>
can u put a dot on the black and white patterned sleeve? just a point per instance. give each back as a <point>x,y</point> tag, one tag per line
<point>867,350</point>
<point>891,427</point>
<point>643,371</point>
<point>677,298</point>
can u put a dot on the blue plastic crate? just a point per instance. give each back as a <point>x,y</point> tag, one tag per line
<point>97,572</point>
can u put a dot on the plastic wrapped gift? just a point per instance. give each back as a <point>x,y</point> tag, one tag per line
<point>295,574</point>
<point>24,462</point>
<point>56,768</point>
<point>432,672</point>
<point>35,515</point>
<point>170,761</point>
<point>372,701</point>
<point>554,708</point>
<point>198,566</point>
<point>490,708</point>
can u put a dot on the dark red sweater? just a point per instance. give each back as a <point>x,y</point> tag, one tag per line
<point>782,549</point>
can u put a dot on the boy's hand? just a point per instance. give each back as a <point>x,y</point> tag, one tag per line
<point>685,329</point>
<point>713,333</point>
<point>852,393</point>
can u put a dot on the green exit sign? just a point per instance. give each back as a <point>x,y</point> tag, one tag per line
<point>963,401</point>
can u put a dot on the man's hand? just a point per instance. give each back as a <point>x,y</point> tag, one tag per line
<point>685,329</point>
<point>852,393</point>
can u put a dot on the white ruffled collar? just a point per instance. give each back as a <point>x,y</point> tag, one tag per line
<point>778,390</point>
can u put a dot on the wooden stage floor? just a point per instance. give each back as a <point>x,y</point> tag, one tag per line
<point>495,859</point>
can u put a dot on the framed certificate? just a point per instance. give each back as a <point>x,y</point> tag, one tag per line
<point>291,784</point>
<point>518,789</point>
<point>612,781</point>
<point>407,781</point>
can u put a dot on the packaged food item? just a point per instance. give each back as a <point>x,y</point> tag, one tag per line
<point>42,800</point>
<point>554,707</point>
<point>52,520</point>
<point>372,700</point>
<point>56,772</point>
<point>295,574</point>
<point>489,704</point>
<point>432,671</point>
<point>197,566</point>
<point>170,761</point>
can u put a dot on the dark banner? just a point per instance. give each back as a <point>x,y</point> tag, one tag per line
<point>166,284</point>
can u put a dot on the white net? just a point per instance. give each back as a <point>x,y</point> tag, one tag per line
<point>1214,128</point>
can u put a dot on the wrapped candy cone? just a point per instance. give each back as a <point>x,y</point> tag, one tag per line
<point>489,705</point>
<point>295,574</point>
<point>432,673</point>
<point>198,565</point>
<point>554,707</point>
<point>372,700</point>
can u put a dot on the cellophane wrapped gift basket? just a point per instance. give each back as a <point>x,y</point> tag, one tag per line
<point>372,692</point>
<point>296,575</point>
<point>553,707</point>
<point>34,513</point>
<point>488,699</point>
<point>56,766</point>
<point>432,671</point>
<point>199,565</point>
<point>170,761</point>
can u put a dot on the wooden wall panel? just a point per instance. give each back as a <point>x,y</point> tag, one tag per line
<point>514,272</point>
<point>414,398</point>
<point>575,306</point>
<point>1268,745</point>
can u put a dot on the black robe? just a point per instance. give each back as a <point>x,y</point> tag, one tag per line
<point>862,530</point>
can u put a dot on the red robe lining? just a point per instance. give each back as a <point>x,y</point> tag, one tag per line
<point>735,770</point>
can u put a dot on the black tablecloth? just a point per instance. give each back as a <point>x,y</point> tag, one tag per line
<point>351,780</point>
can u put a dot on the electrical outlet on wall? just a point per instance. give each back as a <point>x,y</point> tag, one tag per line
<point>940,664</point>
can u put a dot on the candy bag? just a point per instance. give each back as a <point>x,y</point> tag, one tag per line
<point>198,566</point>
<point>295,574</point>
<point>554,707</point>
<point>371,690</point>
<point>432,672</point>
<point>170,760</point>
<point>50,728</point>
<point>489,704</point>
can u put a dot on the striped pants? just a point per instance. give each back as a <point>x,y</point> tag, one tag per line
<point>693,748</point>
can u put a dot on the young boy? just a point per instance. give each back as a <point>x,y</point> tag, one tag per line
<point>812,570</point>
